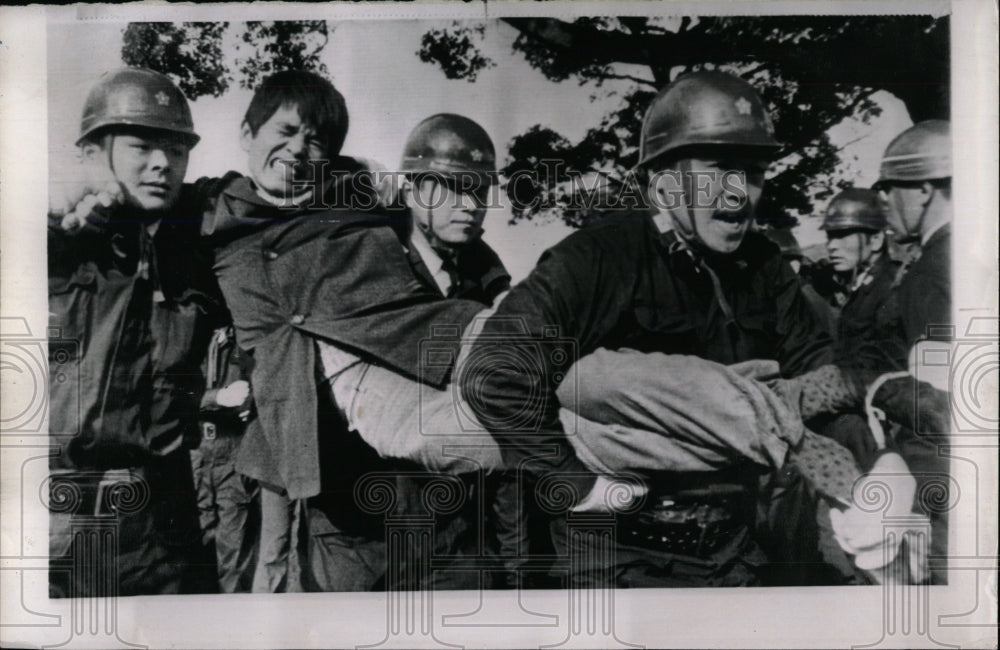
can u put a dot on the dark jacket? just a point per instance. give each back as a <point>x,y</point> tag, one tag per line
<point>290,277</point>
<point>131,315</point>
<point>925,291</point>
<point>869,316</point>
<point>624,285</point>
<point>481,275</point>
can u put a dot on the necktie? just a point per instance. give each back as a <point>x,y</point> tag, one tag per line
<point>455,282</point>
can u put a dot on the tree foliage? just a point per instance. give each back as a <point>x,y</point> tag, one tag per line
<point>812,71</point>
<point>280,45</point>
<point>189,53</point>
<point>455,51</point>
<point>192,54</point>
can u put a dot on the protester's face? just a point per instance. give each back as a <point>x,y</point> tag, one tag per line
<point>150,167</point>
<point>849,249</point>
<point>721,194</point>
<point>279,153</point>
<point>446,215</point>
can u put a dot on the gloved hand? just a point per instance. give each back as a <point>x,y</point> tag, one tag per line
<point>915,404</point>
<point>868,532</point>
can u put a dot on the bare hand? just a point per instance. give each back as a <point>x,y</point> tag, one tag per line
<point>86,211</point>
<point>234,394</point>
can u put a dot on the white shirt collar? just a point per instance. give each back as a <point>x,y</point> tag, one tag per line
<point>433,261</point>
<point>662,222</point>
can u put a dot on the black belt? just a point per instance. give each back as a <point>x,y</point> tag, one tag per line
<point>211,430</point>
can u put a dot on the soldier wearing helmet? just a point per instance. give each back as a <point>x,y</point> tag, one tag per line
<point>855,232</point>
<point>690,280</point>
<point>450,166</point>
<point>135,295</point>
<point>856,240</point>
<point>139,124</point>
<point>915,188</point>
<point>706,167</point>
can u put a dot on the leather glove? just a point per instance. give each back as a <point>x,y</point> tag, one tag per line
<point>914,404</point>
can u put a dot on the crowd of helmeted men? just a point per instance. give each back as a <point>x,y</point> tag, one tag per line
<point>264,378</point>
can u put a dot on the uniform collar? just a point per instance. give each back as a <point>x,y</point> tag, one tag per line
<point>431,259</point>
<point>926,237</point>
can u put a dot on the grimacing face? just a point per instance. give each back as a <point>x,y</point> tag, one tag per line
<point>445,215</point>
<point>278,155</point>
<point>712,199</point>
<point>148,164</point>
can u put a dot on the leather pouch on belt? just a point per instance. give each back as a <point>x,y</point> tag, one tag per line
<point>696,523</point>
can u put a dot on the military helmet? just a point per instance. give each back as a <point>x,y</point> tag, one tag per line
<point>920,153</point>
<point>854,209</point>
<point>137,97</point>
<point>705,108</point>
<point>786,241</point>
<point>448,144</point>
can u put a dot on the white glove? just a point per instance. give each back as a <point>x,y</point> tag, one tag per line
<point>867,529</point>
<point>234,394</point>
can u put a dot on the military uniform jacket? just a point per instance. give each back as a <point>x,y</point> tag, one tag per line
<point>131,315</point>
<point>290,277</point>
<point>925,290</point>
<point>868,334</point>
<point>481,276</point>
<point>622,284</point>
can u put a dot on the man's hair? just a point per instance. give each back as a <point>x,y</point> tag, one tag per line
<point>319,104</point>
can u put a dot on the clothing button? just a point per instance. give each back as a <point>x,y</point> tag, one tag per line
<point>271,255</point>
<point>298,319</point>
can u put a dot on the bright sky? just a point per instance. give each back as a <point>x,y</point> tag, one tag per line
<point>388,91</point>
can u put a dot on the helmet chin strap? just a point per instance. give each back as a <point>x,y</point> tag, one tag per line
<point>913,234</point>
<point>109,145</point>
<point>428,228</point>
<point>923,213</point>
<point>681,215</point>
<point>863,262</point>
